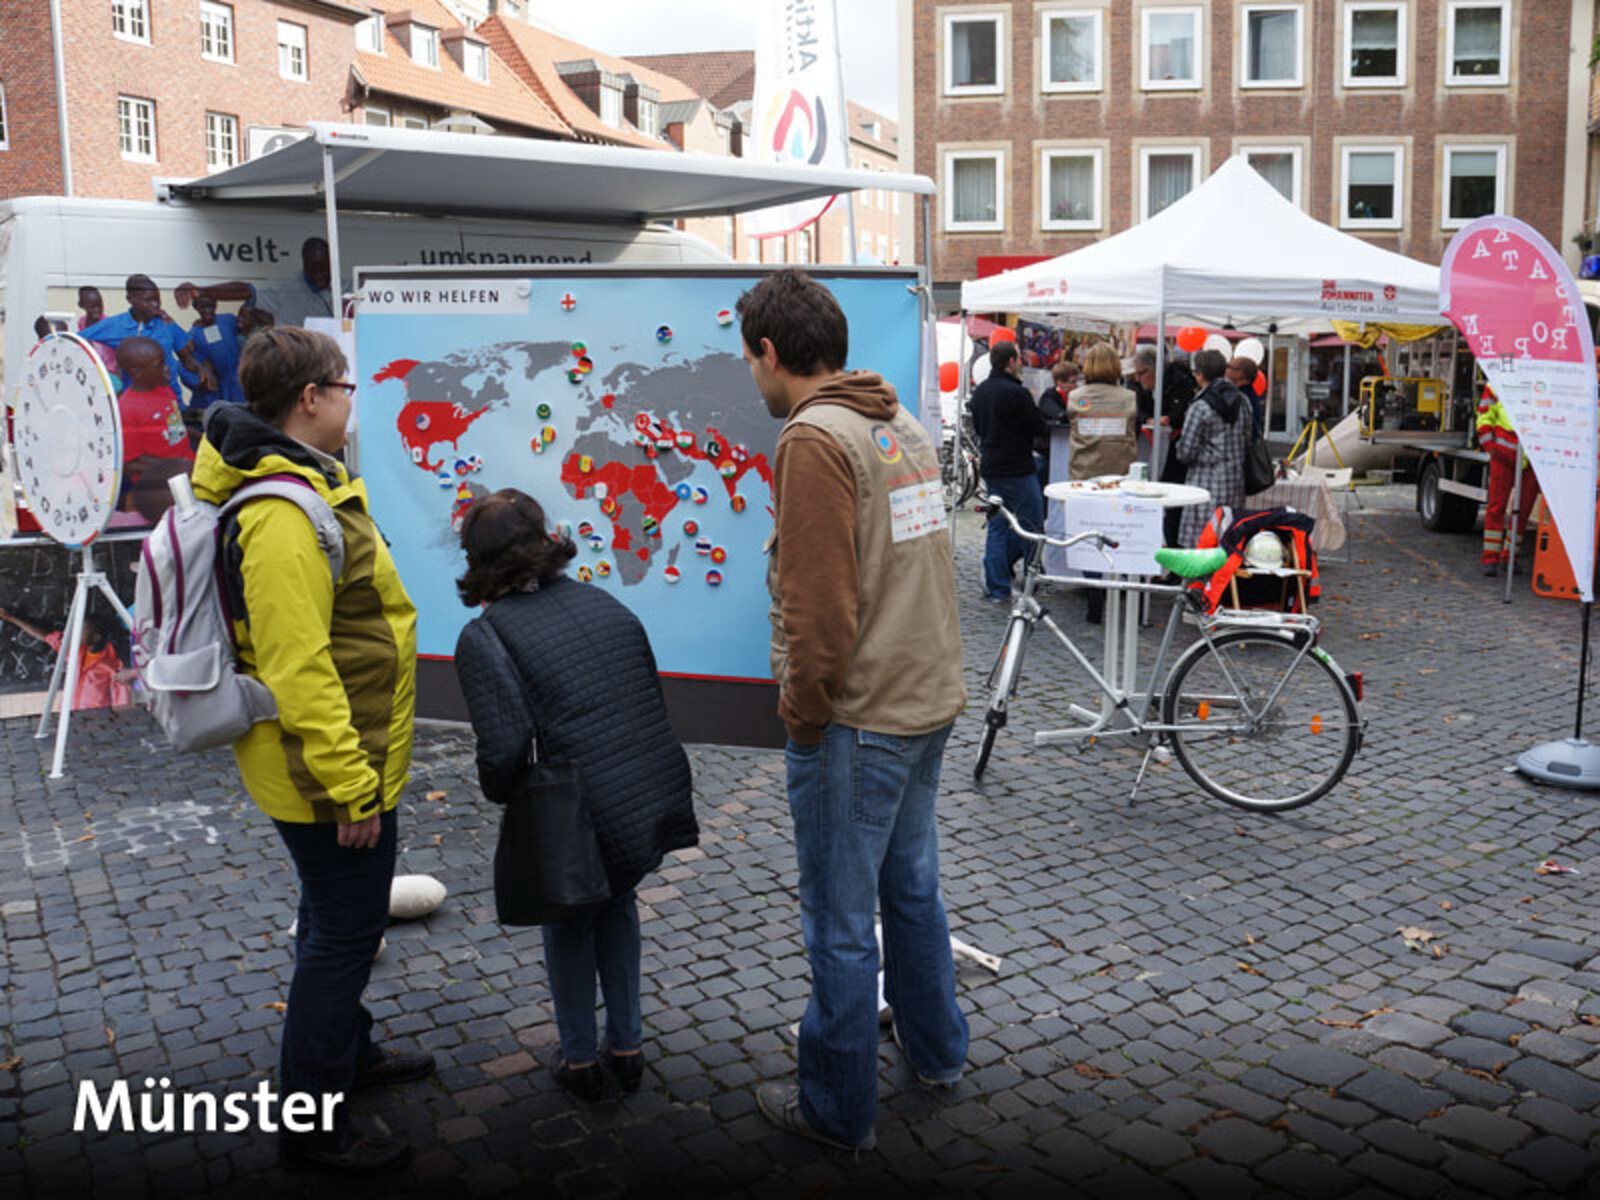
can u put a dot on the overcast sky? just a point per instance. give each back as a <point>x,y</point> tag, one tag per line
<point>871,58</point>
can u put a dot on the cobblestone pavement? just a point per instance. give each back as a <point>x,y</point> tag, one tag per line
<point>1192,1000</point>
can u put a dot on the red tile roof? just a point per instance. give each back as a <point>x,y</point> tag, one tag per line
<point>724,77</point>
<point>533,54</point>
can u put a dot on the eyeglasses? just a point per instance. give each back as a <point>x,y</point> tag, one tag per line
<point>349,389</point>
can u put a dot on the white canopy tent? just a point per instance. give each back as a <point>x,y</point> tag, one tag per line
<point>1231,252</point>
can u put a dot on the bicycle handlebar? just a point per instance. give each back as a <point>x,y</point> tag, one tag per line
<point>1102,542</point>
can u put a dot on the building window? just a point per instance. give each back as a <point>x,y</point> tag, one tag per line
<point>727,236</point>
<point>866,247</point>
<point>292,51</point>
<point>424,45</point>
<point>972,65</point>
<point>1272,46</point>
<point>1071,189</point>
<point>1070,54</point>
<point>1168,174</point>
<point>1279,166</point>
<point>802,246</point>
<point>1479,38</point>
<point>895,253</point>
<point>883,247</point>
<point>136,129</point>
<point>974,191</point>
<point>4,142</point>
<point>894,203</point>
<point>650,118</point>
<point>611,105</point>
<point>369,35</point>
<point>375,116</point>
<point>130,20</point>
<point>475,61</point>
<point>222,141</point>
<point>216,32</point>
<point>1371,192</point>
<point>1375,45</point>
<point>1475,183</point>
<point>1170,48</point>
<point>413,123</point>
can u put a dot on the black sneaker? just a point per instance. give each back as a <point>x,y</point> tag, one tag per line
<point>586,1083</point>
<point>780,1104</point>
<point>357,1154</point>
<point>395,1066</point>
<point>627,1068</point>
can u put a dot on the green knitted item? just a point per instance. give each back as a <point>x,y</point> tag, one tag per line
<point>1191,564</point>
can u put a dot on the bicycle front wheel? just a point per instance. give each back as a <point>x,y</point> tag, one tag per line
<point>1265,726</point>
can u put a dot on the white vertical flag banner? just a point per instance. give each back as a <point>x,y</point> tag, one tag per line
<point>1516,304</point>
<point>798,110</point>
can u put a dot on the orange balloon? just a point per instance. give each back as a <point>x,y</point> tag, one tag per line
<point>1261,384</point>
<point>1001,334</point>
<point>1191,338</point>
<point>949,377</point>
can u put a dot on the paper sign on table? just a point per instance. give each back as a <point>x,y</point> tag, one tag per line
<point>1135,525</point>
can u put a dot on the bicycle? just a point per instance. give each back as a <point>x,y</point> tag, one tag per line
<point>958,466</point>
<point>1257,713</point>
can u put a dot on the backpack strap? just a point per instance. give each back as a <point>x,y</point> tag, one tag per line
<point>324,521</point>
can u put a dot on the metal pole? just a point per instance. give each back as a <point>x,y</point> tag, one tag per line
<point>62,127</point>
<point>1158,442</point>
<point>1583,669</point>
<point>1344,383</point>
<point>1514,525</point>
<point>331,202</point>
<point>844,121</point>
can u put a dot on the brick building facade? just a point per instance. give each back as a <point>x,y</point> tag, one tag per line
<point>1052,124</point>
<point>158,89</point>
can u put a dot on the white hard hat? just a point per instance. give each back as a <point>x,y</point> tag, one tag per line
<point>1264,550</point>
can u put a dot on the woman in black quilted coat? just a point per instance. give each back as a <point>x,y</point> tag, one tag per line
<point>573,663</point>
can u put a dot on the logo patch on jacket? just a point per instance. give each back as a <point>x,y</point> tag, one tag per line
<point>885,443</point>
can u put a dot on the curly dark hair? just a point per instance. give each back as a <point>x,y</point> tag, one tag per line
<point>508,547</point>
<point>800,318</point>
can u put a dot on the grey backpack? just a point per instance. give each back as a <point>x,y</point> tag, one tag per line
<point>183,644</point>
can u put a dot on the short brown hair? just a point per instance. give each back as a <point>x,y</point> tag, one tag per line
<point>508,547</point>
<point>1064,370</point>
<point>1101,364</point>
<point>800,318</point>
<point>277,364</point>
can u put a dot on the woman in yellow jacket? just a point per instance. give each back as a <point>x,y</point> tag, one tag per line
<point>339,656</point>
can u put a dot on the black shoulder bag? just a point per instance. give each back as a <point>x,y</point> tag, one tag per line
<point>547,864</point>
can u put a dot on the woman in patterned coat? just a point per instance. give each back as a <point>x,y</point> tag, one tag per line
<point>1216,436</point>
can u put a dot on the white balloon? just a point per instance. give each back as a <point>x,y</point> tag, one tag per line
<point>1252,349</point>
<point>979,370</point>
<point>1220,344</point>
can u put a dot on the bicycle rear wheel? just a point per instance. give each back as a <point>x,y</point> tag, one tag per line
<point>1268,757</point>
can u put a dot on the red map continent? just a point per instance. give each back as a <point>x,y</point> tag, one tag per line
<point>424,424</point>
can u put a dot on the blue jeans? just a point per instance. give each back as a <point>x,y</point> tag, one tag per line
<point>864,831</point>
<point>603,942</point>
<point>344,909</point>
<point>1002,551</point>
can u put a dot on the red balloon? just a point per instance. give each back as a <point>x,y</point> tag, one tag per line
<point>1260,384</point>
<point>1191,338</point>
<point>949,377</point>
<point>1001,334</point>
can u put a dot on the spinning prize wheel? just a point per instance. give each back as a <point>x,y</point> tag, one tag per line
<point>68,437</point>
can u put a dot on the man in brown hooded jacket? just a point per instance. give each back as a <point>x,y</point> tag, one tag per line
<point>866,648</point>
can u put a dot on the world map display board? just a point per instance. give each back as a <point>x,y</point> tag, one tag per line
<point>622,403</point>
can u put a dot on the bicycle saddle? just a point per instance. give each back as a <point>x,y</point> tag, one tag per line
<point>1191,564</point>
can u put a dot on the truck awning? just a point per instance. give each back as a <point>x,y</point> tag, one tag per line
<point>421,171</point>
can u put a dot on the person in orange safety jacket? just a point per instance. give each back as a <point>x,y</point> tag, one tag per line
<point>1497,437</point>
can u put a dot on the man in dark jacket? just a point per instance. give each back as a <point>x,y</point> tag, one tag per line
<point>1065,376</point>
<point>1007,423</point>
<point>1177,393</point>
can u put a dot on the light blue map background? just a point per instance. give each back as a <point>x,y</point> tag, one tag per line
<point>499,368</point>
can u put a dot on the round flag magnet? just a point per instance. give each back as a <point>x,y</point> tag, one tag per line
<point>686,440</point>
<point>714,578</point>
<point>608,506</point>
<point>701,495</point>
<point>548,433</point>
<point>584,574</point>
<point>683,491</point>
<point>727,468</point>
<point>585,365</point>
<point>568,302</point>
<point>422,421</point>
<point>574,376</point>
<point>672,574</point>
<point>738,503</point>
<point>544,412</point>
<point>601,491</point>
<point>724,316</point>
<point>648,524</point>
<point>579,349</point>
<point>602,568</point>
<point>585,529</point>
<point>702,546</point>
<point>537,445</point>
<point>691,528</point>
<point>713,449</point>
<point>596,543</point>
<point>663,334</point>
<point>475,461</point>
<point>585,464</point>
<point>719,555</point>
<point>446,480</point>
